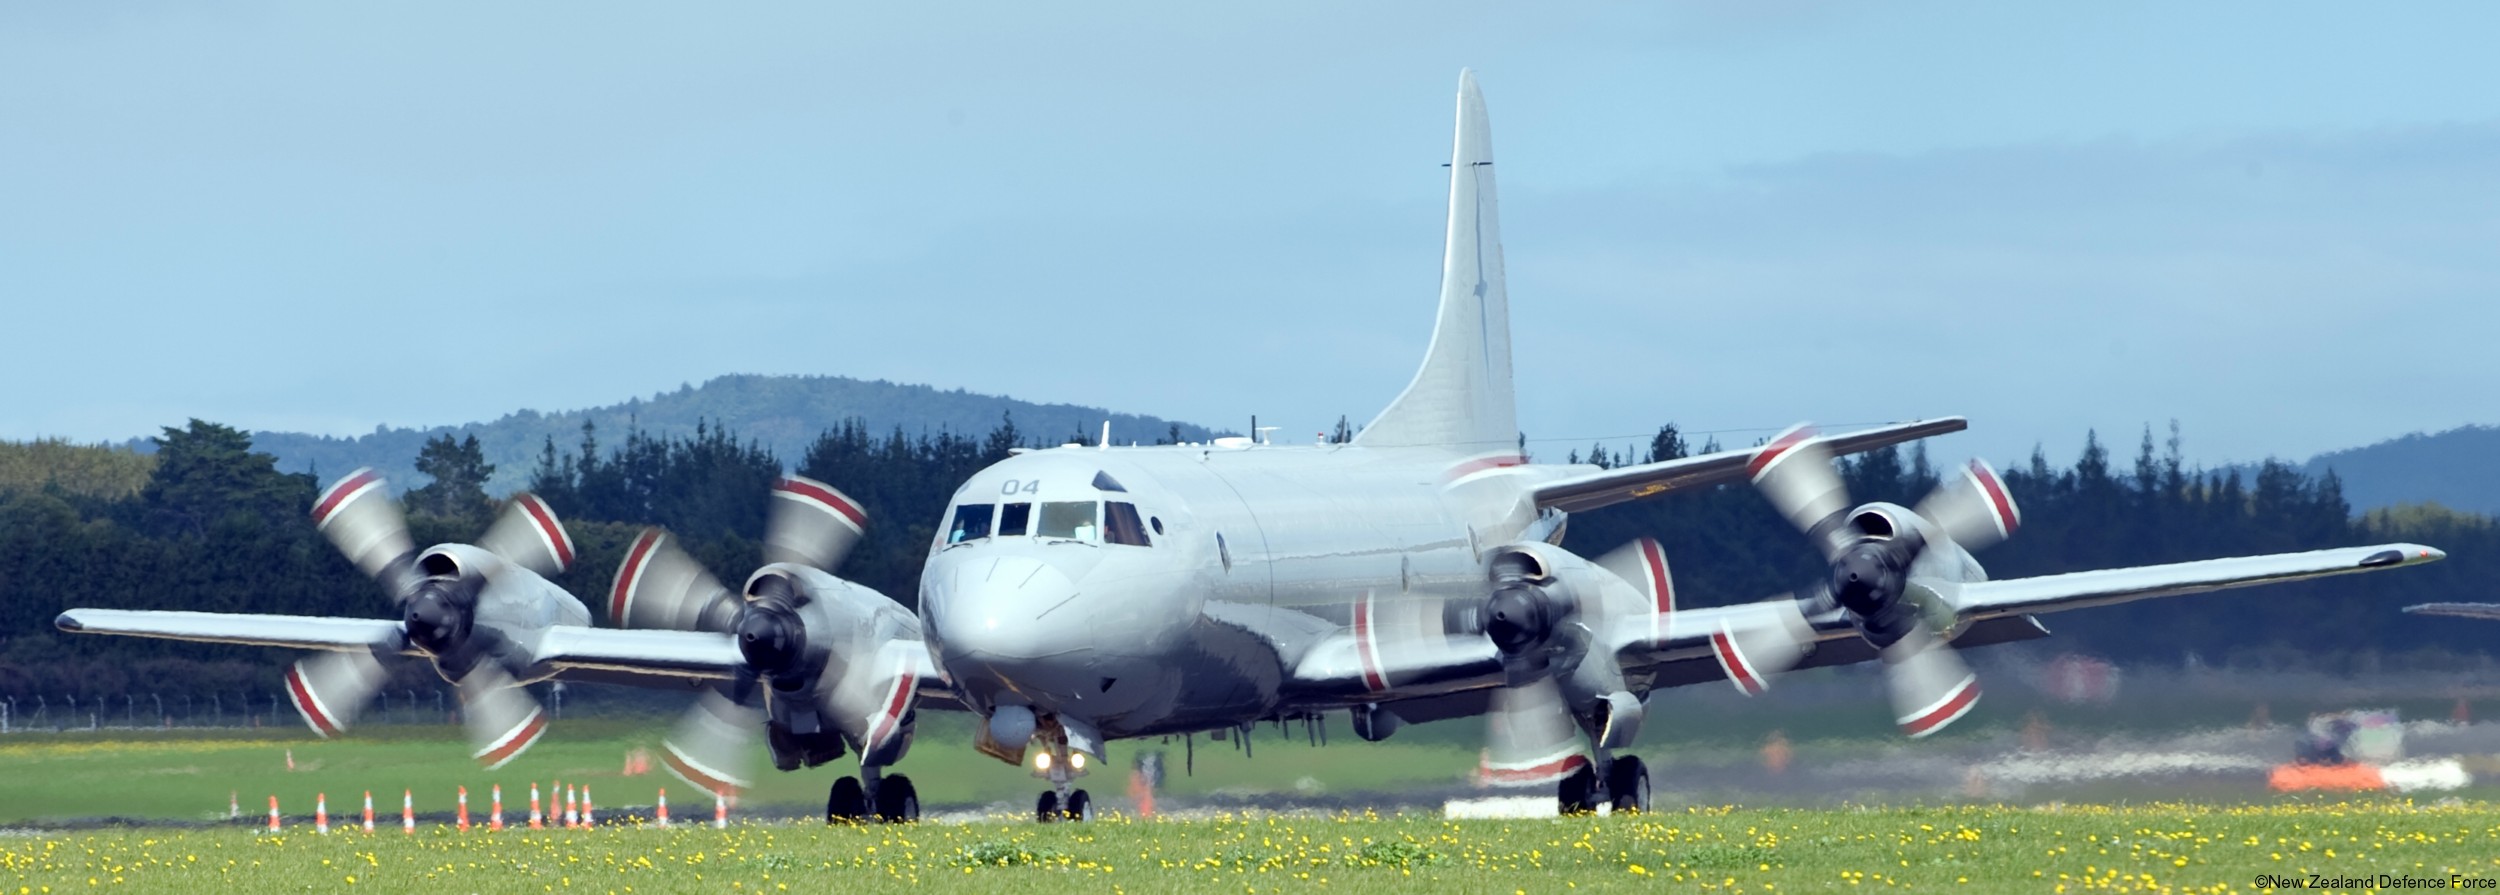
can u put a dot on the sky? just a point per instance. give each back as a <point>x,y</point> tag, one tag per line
<point>2277,223</point>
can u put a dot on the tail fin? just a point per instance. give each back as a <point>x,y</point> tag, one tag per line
<point>1462,396</point>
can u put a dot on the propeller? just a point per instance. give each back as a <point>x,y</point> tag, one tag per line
<point>1871,554</point>
<point>786,622</point>
<point>438,592</point>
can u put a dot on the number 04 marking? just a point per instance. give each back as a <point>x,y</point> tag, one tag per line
<point>1015,486</point>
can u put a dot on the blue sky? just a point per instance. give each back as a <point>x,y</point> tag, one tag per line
<point>2276,222</point>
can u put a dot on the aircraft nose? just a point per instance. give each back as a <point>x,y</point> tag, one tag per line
<point>1006,613</point>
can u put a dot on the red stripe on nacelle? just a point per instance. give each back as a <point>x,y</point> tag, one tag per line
<point>1771,453</point>
<point>340,492</point>
<point>622,594</point>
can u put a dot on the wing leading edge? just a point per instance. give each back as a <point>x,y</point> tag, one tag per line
<point>1613,486</point>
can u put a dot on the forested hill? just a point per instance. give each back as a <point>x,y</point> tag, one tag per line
<point>783,413</point>
<point>2459,468</point>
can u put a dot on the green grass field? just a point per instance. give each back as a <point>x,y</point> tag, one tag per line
<point>2161,848</point>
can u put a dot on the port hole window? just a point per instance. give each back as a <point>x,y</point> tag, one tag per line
<point>1014,518</point>
<point>1067,519</point>
<point>972,523</point>
<point>1120,525</point>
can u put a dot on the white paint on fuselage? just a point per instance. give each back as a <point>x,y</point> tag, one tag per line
<point>1128,643</point>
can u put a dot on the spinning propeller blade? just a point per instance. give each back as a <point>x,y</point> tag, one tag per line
<point>359,517</point>
<point>812,524</point>
<point>713,744</point>
<point>331,688</point>
<point>660,586</point>
<point>1530,739</point>
<point>527,534</point>
<point>1869,576</point>
<point>503,720</point>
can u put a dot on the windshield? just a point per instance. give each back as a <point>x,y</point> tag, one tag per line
<point>1120,525</point>
<point>1066,519</point>
<point>972,523</point>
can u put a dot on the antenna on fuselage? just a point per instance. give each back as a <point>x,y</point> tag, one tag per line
<point>1105,443</point>
<point>1260,432</point>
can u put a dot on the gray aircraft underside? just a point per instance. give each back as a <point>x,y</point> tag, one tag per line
<point>1086,593</point>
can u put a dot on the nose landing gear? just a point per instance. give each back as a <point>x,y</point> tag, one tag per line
<point>1062,801</point>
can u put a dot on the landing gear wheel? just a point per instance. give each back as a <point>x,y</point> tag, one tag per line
<point>1080,806</point>
<point>848,803</point>
<point>1578,793</point>
<point>1047,809</point>
<point>897,801</point>
<point>1629,782</point>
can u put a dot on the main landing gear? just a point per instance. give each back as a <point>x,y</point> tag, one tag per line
<point>893,799</point>
<point>1625,786</point>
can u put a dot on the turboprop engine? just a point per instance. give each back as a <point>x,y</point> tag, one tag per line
<point>829,664</point>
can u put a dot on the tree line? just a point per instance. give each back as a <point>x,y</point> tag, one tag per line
<point>214,526</point>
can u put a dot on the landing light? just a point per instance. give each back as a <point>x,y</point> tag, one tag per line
<point>1041,761</point>
<point>1076,761</point>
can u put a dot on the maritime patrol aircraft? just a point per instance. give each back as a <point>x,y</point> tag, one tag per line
<point>1085,594</point>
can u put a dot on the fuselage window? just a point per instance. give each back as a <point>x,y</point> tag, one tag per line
<point>1120,525</point>
<point>972,523</point>
<point>1067,519</point>
<point>1013,518</point>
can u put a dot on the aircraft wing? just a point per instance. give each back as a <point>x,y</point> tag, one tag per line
<point>290,631</point>
<point>2460,610</point>
<point>1613,486</point>
<point>1683,648</point>
<point>688,654</point>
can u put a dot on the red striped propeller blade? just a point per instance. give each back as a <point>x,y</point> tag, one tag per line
<point>1974,508</point>
<point>331,688</point>
<point>1795,472</point>
<point>502,718</point>
<point>812,524</point>
<point>359,517</point>
<point>528,534</point>
<point>659,586</point>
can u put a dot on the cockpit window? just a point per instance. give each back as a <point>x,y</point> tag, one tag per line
<point>1104,482</point>
<point>1013,518</point>
<point>972,523</point>
<point>1120,525</point>
<point>1067,519</point>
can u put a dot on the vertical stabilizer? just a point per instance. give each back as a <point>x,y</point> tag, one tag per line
<point>1462,398</point>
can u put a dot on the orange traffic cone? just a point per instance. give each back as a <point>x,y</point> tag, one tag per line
<point>234,805</point>
<point>537,818</point>
<point>494,814</point>
<point>321,813</point>
<point>720,811</point>
<point>572,810</point>
<point>290,759</point>
<point>662,812</point>
<point>273,814</point>
<point>368,812</point>
<point>464,809</point>
<point>587,821</point>
<point>408,812</point>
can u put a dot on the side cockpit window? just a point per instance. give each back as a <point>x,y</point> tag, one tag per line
<point>1120,525</point>
<point>1014,518</point>
<point>972,523</point>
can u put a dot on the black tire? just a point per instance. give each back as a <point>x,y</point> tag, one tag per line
<point>897,801</point>
<point>848,803</point>
<point>1577,794</point>
<point>1628,782</point>
<point>1047,809</point>
<point>1080,806</point>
